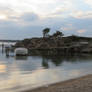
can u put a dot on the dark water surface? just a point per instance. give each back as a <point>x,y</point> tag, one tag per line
<point>21,73</point>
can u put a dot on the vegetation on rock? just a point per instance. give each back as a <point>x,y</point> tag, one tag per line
<point>56,40</point>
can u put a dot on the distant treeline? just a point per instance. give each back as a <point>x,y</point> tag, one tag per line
<point>9,40</point>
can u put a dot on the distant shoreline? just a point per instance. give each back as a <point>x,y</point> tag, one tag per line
<point>81,84</point>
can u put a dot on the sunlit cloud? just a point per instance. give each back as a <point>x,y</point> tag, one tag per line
<point>41,7</point>
<point>82,14</point>
<point>81,31</point>
<point>3,17</point>
<point>68,27</point>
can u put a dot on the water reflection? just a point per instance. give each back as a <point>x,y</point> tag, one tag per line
<point>2,68</point>
<point>45,62</point>
<point>21,57</point>
<point>58,60</point>
<point>21,73</point>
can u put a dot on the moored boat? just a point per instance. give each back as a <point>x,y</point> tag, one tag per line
<point>21,51</point>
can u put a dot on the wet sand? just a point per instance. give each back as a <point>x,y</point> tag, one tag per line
<point>82,84</point>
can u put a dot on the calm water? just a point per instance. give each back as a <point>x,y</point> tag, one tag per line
<point>21,73</point>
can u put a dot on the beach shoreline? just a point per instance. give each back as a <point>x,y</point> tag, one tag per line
<point>81,84</point>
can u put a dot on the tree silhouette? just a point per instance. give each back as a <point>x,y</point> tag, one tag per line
<point>58,34</point>
<point>45,32</point>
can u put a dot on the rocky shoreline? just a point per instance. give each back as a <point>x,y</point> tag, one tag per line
<point>56,46</point>
<point>82,84</point>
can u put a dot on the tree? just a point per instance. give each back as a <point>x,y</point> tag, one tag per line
<point>45,32</point>
<point>58,34</point>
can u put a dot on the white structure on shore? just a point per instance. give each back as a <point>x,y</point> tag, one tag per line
<point>21,51</point>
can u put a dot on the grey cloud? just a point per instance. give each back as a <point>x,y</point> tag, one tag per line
<point>14,30</point>
<point>29,17</point>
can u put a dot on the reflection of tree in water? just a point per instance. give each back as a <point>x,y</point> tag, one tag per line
<point>21,57</point>
<point>45,62</point>
<point>46,59</point>
<point>58,60</point>
<point>78,58</point>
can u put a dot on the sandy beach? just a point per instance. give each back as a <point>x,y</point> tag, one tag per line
<point>82,84</point>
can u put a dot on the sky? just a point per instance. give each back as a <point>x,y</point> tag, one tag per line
<point>21,19</point>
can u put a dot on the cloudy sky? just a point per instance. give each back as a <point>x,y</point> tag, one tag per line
<point>27,18</point>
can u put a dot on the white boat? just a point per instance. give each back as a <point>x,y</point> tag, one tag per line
<point>21,51</point>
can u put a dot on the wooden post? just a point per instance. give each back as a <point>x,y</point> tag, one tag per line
<point>7,51</point>
<point>2,48</point>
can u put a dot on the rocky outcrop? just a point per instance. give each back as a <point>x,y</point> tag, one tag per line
<point>57,44</point>
<point>41,43</point>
